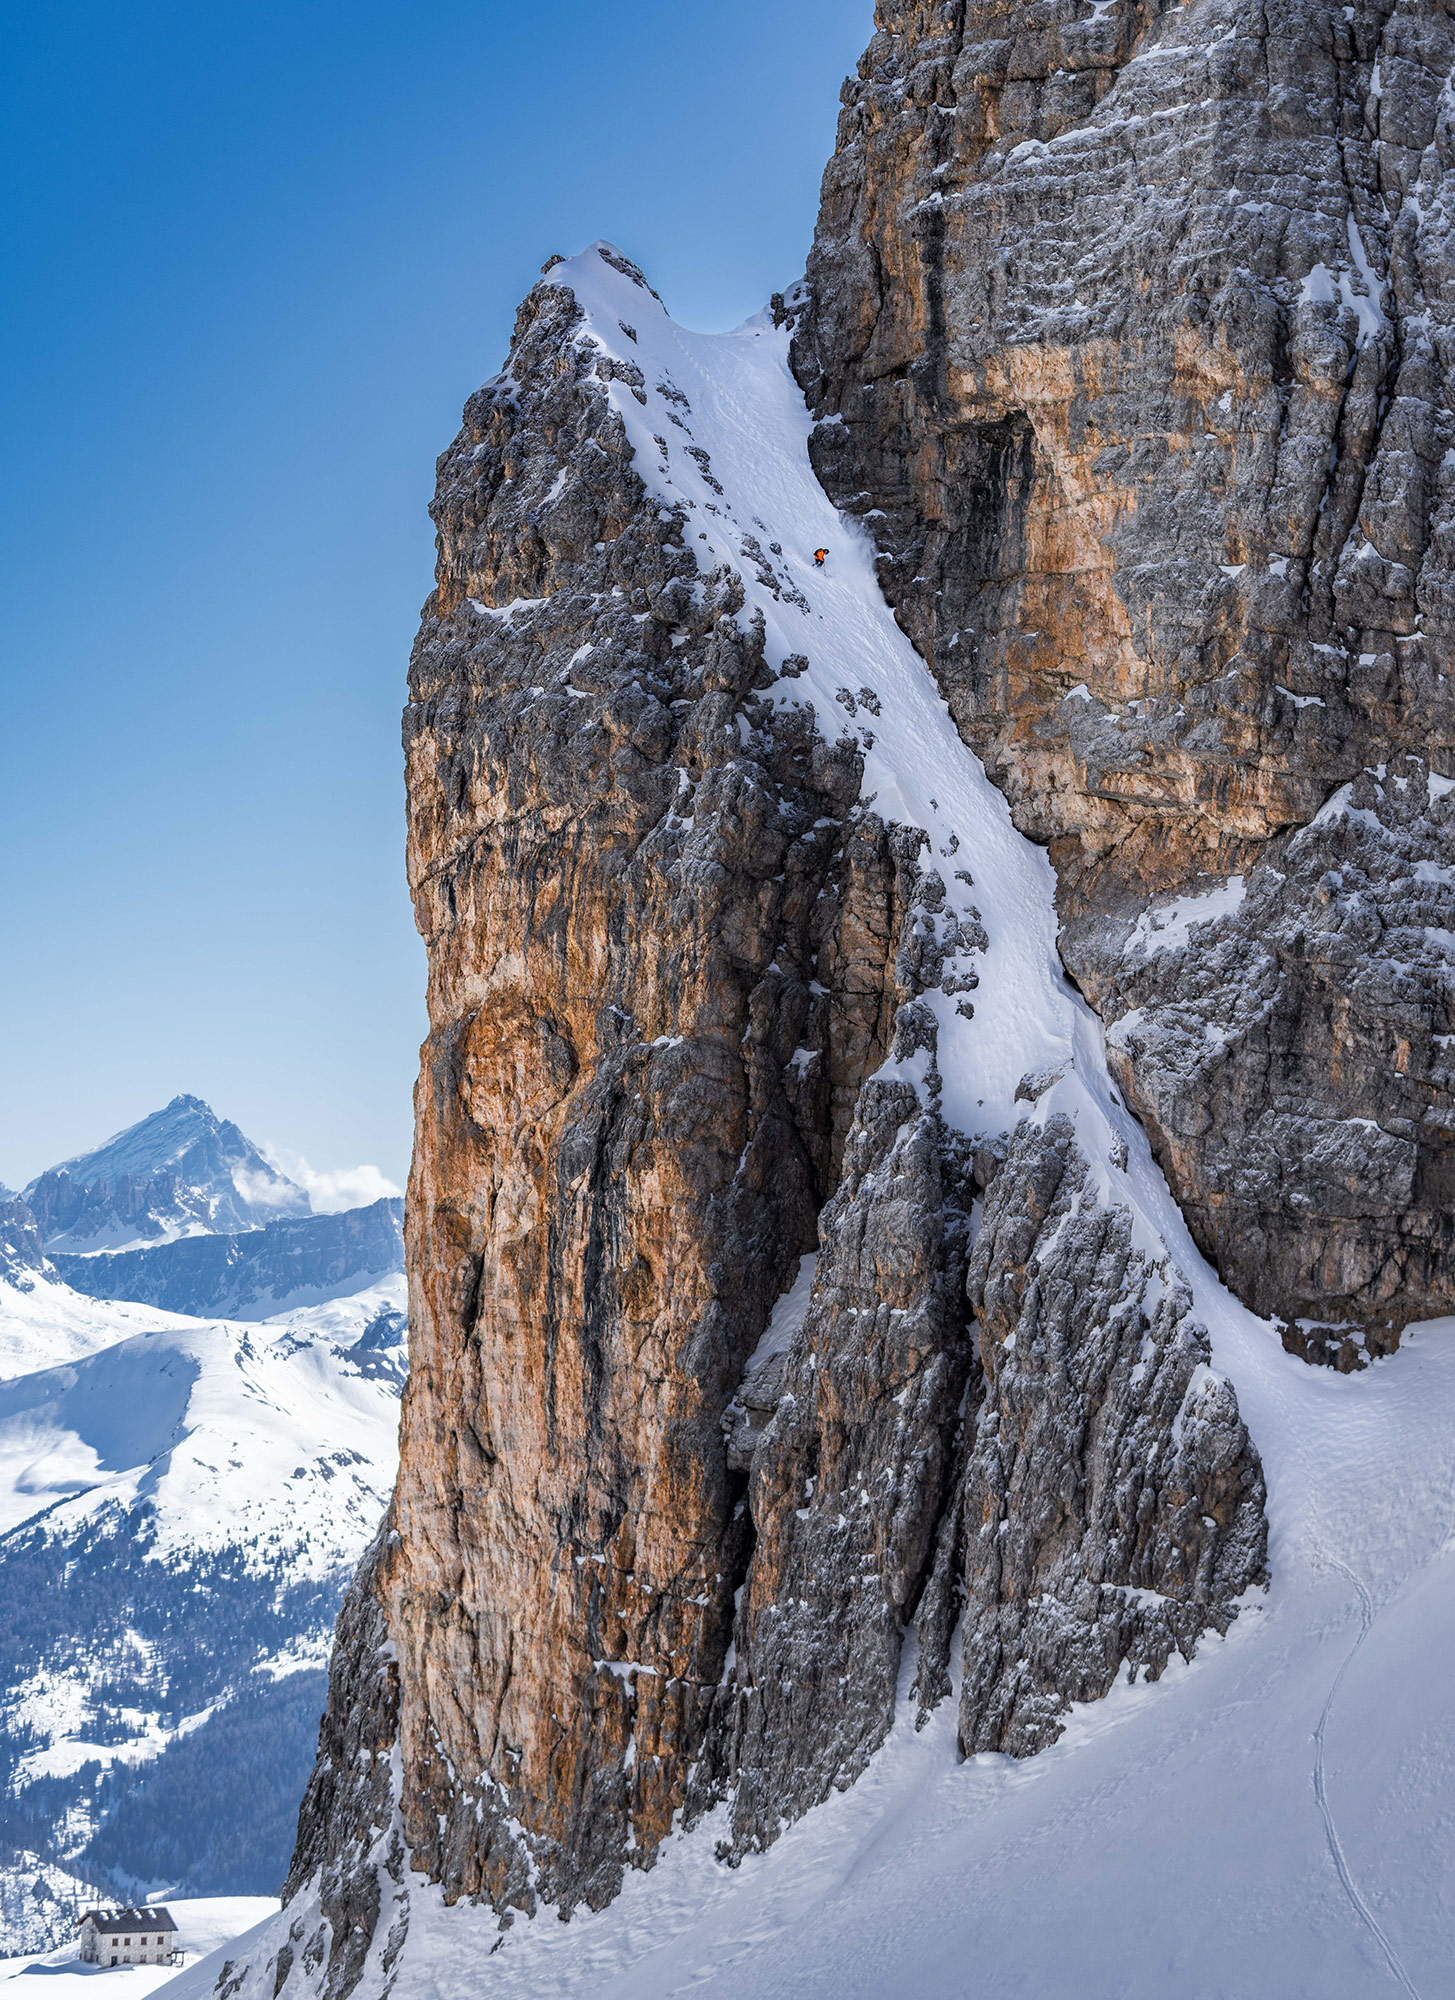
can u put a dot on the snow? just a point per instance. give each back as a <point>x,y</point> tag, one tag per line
<point>167,1139</point>
<point>233,1430</point>
<point>269,1440</point>
<point>1272,1819</point>
<point>1321,287</point>
<point>1169,926</point>
<point>44,1323</point>
<point>511,610</point>
<point>744,409</point>
<point>343,1320</point>
<point>206,1926</point>
<point>786,1317</point>
<point>298,1305</point>
<point>38,1902</point>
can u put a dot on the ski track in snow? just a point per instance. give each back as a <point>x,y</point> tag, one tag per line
<point>1168,1843</point>
<point>1336,1847</point>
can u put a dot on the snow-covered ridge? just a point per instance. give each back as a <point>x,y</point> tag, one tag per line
<point>301,1260</point>
<point>232,1431</point>
<point>720,428</point>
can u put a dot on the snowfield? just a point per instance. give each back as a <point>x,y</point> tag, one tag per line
<point>235,1431</point>
<point>43,1323</point>
<point>181,1503</point>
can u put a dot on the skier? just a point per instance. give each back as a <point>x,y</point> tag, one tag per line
<point>818,558</point>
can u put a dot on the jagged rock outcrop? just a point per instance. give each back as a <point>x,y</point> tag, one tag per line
<point>1130,331</point>
<point>1290,1055</point>
<point>350,1860</point>
<point>631,875</point>
<point>22,1255</point>
<point>669,1499</point>
<point>1109,1507</point>
<point>849,1478</point>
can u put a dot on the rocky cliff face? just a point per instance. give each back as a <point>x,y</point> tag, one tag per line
<point>22,1255</point>
<point>615,1166</point>
<point>789,1269</point>
<point>1130,333</point>
<point>745,1012</point>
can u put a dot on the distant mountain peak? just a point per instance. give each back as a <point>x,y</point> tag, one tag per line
<point>180,1171</point>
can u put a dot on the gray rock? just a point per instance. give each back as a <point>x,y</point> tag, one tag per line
<point>1290,1057</point>
<point>1132,334</point>
<point>849,1477</point>
<point>1109,1508</point>
<point>22,1256</point>
<point>681,1033</point>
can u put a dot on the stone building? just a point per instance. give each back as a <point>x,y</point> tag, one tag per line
<point>129,1937</point>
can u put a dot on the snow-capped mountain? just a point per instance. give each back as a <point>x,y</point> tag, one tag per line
<point>180,1172</point>
<point>197,1439</point>
<point>220,1432</point>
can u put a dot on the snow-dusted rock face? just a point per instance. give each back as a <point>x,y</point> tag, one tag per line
<point>1289,1048</point>
<point>1130,333</point>
<point>254,1273</point>
<point>183,1171</point>
<point>1106,1508</point>
<point>656,981</point>
<point>22,1257</point>
<point>736,962</point>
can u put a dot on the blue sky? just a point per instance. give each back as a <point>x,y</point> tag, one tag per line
<point>254,259</point>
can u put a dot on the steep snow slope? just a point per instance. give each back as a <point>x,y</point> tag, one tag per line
<point>43,1323</point>
<point>1267,1820</point>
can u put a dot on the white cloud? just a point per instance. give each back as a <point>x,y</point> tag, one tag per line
<point>344,1187</point>
<point>264,1190</point>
